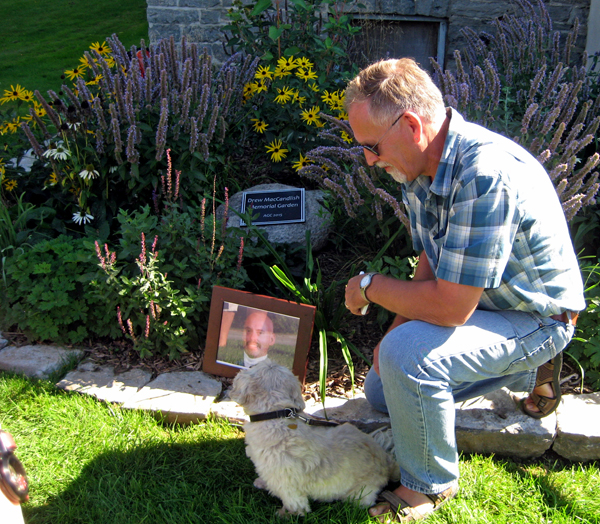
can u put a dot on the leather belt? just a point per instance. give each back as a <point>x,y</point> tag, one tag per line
<point>568,317</point>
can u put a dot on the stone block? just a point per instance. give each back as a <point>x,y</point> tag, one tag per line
<point>162,3</point>
<point>210,17</point>
<point>173,16</point>
<point>157,32</point>
<point>356,410</point>
<point>204,4</point>
<point>230,410</point>
<point>578,430</point>
<point>38,361</point>
<point>102,383</point>
<point>401,7</point>
<point>181,396</point>
<point>3,343</point>
<point>494,424</point>
<point>317,219</point>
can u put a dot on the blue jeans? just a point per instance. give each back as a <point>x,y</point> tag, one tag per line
<point>425,368</point>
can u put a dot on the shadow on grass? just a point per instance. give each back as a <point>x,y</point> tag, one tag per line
<point>208,482</point>
<point>554,478</point>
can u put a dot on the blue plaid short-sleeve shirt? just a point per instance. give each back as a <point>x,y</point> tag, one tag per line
<point>491,218</point>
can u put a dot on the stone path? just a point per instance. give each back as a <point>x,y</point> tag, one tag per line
<point>489,424</point>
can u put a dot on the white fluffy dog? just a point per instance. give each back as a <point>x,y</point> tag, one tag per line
<point>295,460</point>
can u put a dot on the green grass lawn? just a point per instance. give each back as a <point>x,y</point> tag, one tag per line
<point>40,39</point>
<point>91,462</point>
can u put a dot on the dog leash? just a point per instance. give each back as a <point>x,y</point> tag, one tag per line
<point>292,413</point>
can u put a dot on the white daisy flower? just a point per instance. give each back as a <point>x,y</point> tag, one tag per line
<point>60,153</point>
<point>89,172</point>
<point>82,218</point>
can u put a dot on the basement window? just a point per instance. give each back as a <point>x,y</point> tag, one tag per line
<point>399,37</point>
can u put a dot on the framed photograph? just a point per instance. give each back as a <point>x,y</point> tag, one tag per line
<point>245,328</point>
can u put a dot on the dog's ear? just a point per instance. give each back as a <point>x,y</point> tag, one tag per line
<point>239,390</point>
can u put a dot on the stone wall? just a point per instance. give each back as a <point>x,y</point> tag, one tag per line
<point>201,20</point>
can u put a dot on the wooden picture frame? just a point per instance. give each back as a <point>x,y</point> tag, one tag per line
<point>243,327</point>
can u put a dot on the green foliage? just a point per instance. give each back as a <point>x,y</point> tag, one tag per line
<point>320,29</point>
<point>399,267</point>
<point>585,231</point>
<point>521,81</point>
<point>46,292</point>
<point>101,144</point>
<point>304,69</point>
<point>161,295</point>
<point>585,346</point>
<point>329,303</point>
<point>14,220</point>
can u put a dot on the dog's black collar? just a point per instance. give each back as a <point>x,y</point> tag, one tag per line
<point>291,413</point>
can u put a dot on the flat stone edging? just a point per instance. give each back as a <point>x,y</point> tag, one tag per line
<point>489,424</point>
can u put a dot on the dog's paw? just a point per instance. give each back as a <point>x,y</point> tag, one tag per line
<point>285,513</point>
<point>260,483</point>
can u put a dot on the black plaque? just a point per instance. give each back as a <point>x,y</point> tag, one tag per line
<point>276,206</point>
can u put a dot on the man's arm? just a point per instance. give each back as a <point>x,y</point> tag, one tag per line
<point>422,272</point>
<point>428,299</point>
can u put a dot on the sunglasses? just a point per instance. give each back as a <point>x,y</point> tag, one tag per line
<point>373,149</point>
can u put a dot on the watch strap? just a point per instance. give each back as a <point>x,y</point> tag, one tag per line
<point>363,290</point>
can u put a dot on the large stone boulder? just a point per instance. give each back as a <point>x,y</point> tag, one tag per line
<point>578,431</point>
<point>318,219</point>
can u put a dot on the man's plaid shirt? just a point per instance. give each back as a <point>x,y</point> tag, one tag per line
<point>491,218</point>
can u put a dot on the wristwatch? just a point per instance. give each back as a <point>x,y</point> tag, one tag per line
<point>365,282</point>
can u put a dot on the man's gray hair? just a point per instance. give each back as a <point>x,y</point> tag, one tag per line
<point>394,86</point>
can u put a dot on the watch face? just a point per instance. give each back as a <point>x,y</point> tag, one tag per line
<point>366,280</point>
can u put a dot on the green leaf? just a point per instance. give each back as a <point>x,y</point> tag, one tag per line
<point>274,33</point>
<point>323,365</point>
<point>300,3</point>
<point>261,5</point>
<point>42,268</point>
<point>291,51</point>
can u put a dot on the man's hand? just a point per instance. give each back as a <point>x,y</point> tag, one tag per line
<point>354,300</point>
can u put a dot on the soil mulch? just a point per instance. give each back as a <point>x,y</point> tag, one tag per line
<point>363,332</point>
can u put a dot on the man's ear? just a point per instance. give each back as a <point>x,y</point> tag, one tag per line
<point>415,123</point>
<point>272,339</point>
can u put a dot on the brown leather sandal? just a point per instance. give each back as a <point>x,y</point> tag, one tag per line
<point>401,511</point>
<point>549,373</point>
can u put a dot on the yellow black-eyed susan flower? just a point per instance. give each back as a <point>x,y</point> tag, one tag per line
<point>100,48</point>
<point>306,74</point>
<point>284,96</point>
<point>76,72</point>
<point>263,73</point>
<point>259,126</point>
<point>302,162</point>
<point>311,116</point>
<point>277,152</point>
<point>304,62</point>
<point>9,185</point>
<point>12,94</point>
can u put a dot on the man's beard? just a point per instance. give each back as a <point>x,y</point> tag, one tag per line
<point>396,174</point>
<point>254,349</point>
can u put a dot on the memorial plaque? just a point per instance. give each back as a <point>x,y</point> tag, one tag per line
<point>277,206</point>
